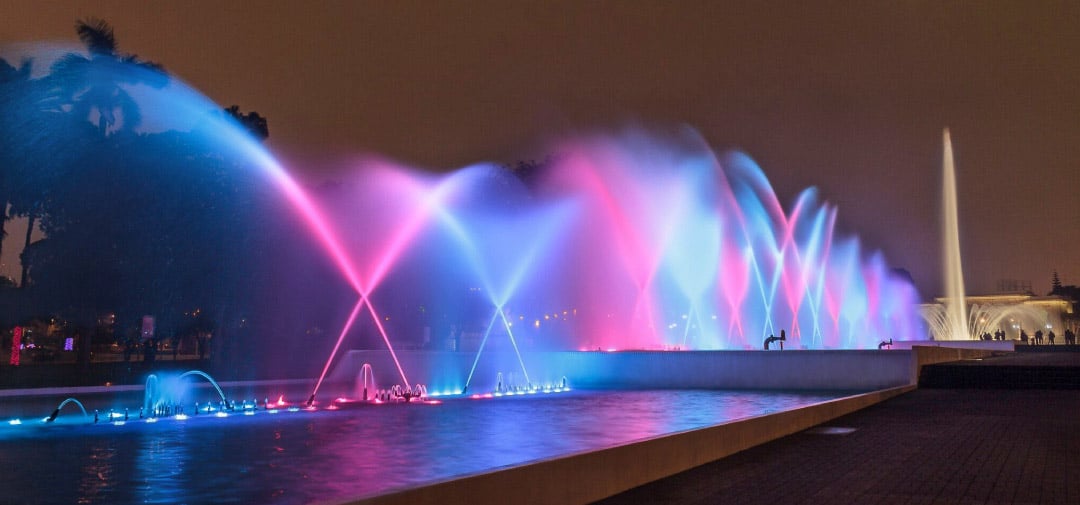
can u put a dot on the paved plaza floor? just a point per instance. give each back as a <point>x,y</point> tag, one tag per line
<point>930,446</point>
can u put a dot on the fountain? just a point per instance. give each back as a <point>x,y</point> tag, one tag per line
<point>956,319</point>
<point>52,417</point>
<point>627,242</point>
<point>365,382</point>
<point>166,397</point>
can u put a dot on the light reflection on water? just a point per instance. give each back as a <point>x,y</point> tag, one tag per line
<point>302,457</point>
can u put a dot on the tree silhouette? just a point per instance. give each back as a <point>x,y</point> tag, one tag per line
<point>531,171</point>
<point>1055,284</point>
<point>93,84</point>
<point>87,87</point>
<point>251,121</point>
<point>14,86</point>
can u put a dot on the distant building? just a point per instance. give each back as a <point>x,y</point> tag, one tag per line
<point>1008,312</point>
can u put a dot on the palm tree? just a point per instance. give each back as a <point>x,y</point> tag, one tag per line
<point>91,88</point>
<point>15,86</point>
<point>92,85</point>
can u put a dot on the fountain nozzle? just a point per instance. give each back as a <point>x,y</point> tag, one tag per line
<point>782,338</point>
<point>52,417</point>
<point>311,399</point>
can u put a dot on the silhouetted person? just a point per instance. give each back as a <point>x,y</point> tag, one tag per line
<point>1038,337</point>
<point>148,350</point>
<point>1050,337</point>
<point>1023,336</point>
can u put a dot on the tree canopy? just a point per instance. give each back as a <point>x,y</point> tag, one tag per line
<point>135,223</point>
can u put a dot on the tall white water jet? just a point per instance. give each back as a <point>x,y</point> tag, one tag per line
<point>955,303</point>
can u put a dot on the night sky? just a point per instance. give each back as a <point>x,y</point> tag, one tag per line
<point>850,97</point>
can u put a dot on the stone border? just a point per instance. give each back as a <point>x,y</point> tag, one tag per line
<point>590,476</point>
<point>789,370</point>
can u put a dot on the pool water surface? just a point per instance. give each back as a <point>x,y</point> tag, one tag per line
<point>300,457</point>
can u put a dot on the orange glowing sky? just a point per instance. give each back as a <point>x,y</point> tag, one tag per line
<point>848,96</point>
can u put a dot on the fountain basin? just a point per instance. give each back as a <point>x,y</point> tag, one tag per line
<point>302,456</point>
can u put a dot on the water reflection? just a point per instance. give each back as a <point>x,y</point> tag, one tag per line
<point>97,473</point>
<point>161,466</point>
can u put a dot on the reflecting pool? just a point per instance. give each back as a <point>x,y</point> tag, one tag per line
<point>301,456</point>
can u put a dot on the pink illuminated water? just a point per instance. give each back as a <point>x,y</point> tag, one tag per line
<point>627,241</point>
<point>651,245</point>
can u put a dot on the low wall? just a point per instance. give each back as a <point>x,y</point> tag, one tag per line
<point>929,355</point>
<point>987,345</point>
<point>853,370</point>
<point>591,476</point>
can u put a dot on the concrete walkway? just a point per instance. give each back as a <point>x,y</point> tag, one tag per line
<point>930,446</point>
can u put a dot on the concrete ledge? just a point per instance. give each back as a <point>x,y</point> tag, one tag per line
<point>931,355</point>
<point>805,370</point>
<point>990,345</point>
<point>591,476</point>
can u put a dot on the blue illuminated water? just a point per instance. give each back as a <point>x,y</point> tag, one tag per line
<point>300,457</point>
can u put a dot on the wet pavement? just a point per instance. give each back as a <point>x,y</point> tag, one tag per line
<point>943,445</point>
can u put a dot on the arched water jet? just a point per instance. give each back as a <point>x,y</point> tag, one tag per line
<point>633,233</point>
<point>52,417</point>
<point>210,379</point>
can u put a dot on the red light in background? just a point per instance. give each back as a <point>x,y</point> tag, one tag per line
<point>16,344</point>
